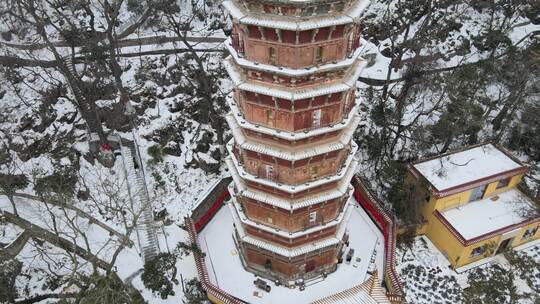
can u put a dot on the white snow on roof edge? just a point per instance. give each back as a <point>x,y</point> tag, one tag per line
<point>466,166</point>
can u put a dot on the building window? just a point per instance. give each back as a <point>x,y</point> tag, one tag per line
<point>529,233</point>
<point>269,218</point>
<point>272,55</point>
<point>269,172</point>
<point>478,251</point>
<point>316,123</point>
<point>503,183</point>
<point>269,115</point>
<point>318,54</point>
<point>314,172</point>
<point>313,217</point>
<point>477,193</point>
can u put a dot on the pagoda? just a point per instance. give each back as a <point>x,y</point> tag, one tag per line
<point>294,66</point>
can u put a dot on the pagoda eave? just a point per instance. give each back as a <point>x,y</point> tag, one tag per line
<point>291,153</point>
<point>275,90</point>
<point>292,136</point>
<point>351,15</point>
<point>289,235</point>
<point>292,72</point>
<point>349,164</point>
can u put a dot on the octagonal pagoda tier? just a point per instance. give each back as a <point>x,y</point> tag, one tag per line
<point>293,113</point>
<point>325,101</point>
<point>294,170</point>
<point>269,36</point>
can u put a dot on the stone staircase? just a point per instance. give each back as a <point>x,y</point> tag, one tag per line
<point>91,120</point>
<point>146,230</point>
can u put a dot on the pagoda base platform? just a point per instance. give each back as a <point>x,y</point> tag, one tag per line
<point>226,270</point>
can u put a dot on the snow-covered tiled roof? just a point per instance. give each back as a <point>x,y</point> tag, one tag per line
<point>349,165</point>
<point>490,214</point>
<point>369,292</point>
<point>456,169</point>
<point>351,15</point>
<point>287,152</point>
<point>290,135</point>
<point>341,85</point>
<point>353,59</point>
<point>288,234</point>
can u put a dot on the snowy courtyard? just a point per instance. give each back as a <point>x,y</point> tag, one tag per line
<point>226,271</point>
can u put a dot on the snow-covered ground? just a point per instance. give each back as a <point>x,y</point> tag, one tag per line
<point>426,275</point>
<point>9,233</point>
<point>428,278</point>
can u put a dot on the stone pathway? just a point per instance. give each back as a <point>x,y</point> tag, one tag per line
<point>134,172</point>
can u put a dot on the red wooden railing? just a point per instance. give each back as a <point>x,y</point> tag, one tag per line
<point>388,227</point>
<point>211,289</point>
<point>364,197</point>
<point>207,216</point>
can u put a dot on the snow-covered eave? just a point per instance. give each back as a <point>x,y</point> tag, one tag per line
<point>344,187</point>
<point>349,165</point>
<point>345,84</point>
<point>351,15</point>
<point>347,209</point>
<point>369,292</point>
<point>288,153</point>
<point>345,63</point>
<point>291,136</point>
<point>283,251</point>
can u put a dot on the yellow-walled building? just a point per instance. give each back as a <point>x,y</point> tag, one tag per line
<point>470,204</point>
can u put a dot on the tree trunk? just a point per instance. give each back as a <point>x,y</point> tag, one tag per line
<point>12,201</point>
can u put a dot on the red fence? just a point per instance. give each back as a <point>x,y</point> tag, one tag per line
<point>389,229</point>
<point>200,264</point>
<point>211,211</point>
<point>210,203</point>
<point>208,208</point>
<point>375,215</point>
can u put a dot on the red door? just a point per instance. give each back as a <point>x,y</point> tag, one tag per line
<point>310,265</point>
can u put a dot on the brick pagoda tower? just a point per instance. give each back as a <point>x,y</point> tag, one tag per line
<point>294,66</point>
